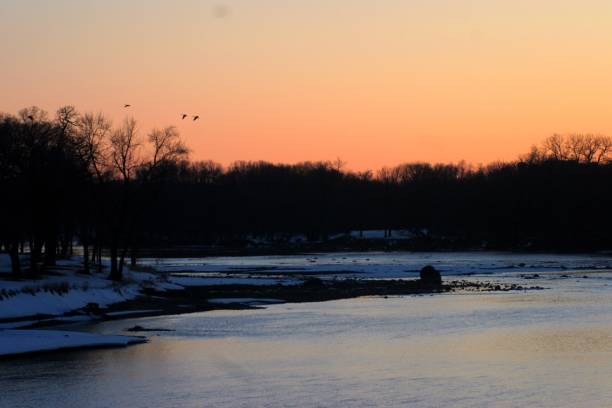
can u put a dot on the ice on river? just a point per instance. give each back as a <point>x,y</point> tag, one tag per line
<point>379,264</point>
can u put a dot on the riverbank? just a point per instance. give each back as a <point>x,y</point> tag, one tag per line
<point>156,301</point>
<point>182,285</point>
<point>64,298</point>
<point>151,302</point>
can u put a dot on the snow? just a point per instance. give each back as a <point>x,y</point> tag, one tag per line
<point>66,291</point>
<point>25,304</point>
<point>29,341</point>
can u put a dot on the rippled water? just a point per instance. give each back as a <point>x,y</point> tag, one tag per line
<point>549,348</point>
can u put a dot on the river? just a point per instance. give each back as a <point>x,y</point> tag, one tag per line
<point>546,348</point>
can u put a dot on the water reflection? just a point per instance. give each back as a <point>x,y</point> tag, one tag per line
<point>548,348</point>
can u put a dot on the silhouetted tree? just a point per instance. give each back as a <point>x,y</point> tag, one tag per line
<point>76,176</point>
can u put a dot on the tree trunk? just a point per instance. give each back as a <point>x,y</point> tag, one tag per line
<point>115,272</point>
<point>63,247</point>
<point>50,250</point>
<point>133,257</point>
<point>13,250</point>
<point>94,253</point>
<point>35,252</point>
<point>122,260</point>
<point>99,258</point>
<point>85,257</point>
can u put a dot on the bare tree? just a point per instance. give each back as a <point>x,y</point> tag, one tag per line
<point>92,147</point>
<point>66,118</point>
<point>535,155</point>
<point>205,172</point>
<point>167,147</point>
<point>124,154</point>
<point>604,153</point>
<point>33,114</point>
<point>581,148</point>
<point>92,135</point>
<point>555,147</point>
<point>124,150</point>
<point>339,164</point>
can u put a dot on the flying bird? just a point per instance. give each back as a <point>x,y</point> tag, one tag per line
<point>196,117</point>
<point>127,105</point>
<point>184,116</point>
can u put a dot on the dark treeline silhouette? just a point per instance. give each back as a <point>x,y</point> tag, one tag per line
<point>76,178</point>
<point>540,201</point>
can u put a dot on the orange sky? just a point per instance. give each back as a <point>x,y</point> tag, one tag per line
<point>373,82</point>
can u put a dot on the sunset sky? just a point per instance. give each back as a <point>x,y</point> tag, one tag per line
<point>373,82</point>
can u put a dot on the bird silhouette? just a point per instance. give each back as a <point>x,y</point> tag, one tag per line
<point>196,117</point>
<point>184,116</point>
<point>127,105</point>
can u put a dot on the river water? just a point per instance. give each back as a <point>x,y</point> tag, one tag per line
<point>546,348</point>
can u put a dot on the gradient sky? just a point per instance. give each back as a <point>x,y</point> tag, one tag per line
<point>373,82</point>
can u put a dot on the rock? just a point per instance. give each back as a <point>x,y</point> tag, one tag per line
<point>430,276</point>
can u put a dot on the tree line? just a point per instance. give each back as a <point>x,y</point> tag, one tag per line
<point>76,178</point>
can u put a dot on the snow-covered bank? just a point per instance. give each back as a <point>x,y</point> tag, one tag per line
<point>65,290</point>
<point>30,341</point>
<point>45,303</point>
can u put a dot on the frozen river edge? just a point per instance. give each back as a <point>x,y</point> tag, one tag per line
<point>19,342</point>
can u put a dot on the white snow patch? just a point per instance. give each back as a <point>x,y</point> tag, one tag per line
<point>67,290</point>
<point>25,304</point>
